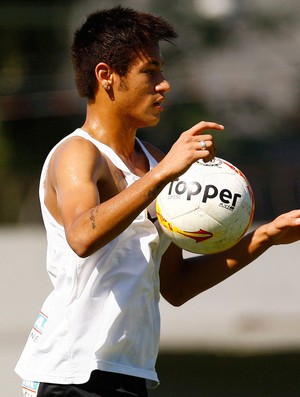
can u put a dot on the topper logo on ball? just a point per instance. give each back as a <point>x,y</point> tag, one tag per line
<point>194,188</point>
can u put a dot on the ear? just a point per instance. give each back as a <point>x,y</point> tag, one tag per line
<point>104,74</point>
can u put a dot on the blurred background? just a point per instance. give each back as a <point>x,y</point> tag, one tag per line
<point>235,62</point>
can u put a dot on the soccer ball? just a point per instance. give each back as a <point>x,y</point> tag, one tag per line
<point>208,209</point>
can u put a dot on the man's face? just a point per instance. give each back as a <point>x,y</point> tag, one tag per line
<point>139,95</point>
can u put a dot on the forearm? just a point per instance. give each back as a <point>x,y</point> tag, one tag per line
<point>182,279</point>
<point>247,250</point>
<point>203,272</point>
<point>100,224</point>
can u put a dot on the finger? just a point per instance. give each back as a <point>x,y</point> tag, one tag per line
<point>206,145</point>
<point>295,217</point>
<point>208,156</point>
<point>205,125</point>
<point>206,138</point>
<point>203,145</point>
<point>206,150</point>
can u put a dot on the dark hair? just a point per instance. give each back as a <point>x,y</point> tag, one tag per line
<point>115,36</point>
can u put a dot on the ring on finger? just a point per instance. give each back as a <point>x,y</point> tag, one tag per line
<point>203,144</point>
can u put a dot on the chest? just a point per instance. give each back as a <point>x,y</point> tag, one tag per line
<point>114,180</point>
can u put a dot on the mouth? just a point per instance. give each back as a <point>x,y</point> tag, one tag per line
<point>158,104</point>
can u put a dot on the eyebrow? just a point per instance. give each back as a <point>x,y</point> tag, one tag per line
<point>156,63</point>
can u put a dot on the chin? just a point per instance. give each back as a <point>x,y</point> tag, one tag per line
<point>153,122</point>
<point>149,122</point>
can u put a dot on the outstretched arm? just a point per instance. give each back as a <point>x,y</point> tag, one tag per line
<point>183,279</point>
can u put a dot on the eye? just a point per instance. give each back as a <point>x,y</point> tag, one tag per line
<point>151,72</point>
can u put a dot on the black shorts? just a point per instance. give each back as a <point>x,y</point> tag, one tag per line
<point>101,384</point>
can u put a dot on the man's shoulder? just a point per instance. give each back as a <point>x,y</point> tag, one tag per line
<point>76,153</point>
<point>76,144</point>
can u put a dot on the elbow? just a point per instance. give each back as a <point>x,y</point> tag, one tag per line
<point>81,251</point>
<point>80,247</point>
<point>85,245</point>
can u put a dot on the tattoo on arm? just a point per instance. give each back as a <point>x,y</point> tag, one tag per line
<point>92,218</point>
<point>154,192</point>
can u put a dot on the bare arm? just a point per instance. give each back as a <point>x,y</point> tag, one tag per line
<point>79,178</point>
<point>182,280</point>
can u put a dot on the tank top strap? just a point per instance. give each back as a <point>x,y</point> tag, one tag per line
<point>114,158</point>
<point>106,150</point>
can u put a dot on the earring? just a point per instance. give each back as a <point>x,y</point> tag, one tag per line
<point>105,84</point>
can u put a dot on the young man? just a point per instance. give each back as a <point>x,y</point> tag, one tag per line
<point>98,332</point>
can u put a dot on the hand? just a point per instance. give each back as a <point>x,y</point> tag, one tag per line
<point>189,148</point>
<point>285,229</point>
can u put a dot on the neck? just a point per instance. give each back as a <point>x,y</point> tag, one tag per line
<point>110,130</point>
<point>114,132</point>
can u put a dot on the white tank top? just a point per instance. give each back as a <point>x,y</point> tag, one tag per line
<point>103,311</point>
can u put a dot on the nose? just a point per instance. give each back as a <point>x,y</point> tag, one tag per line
<point>164,86</point>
